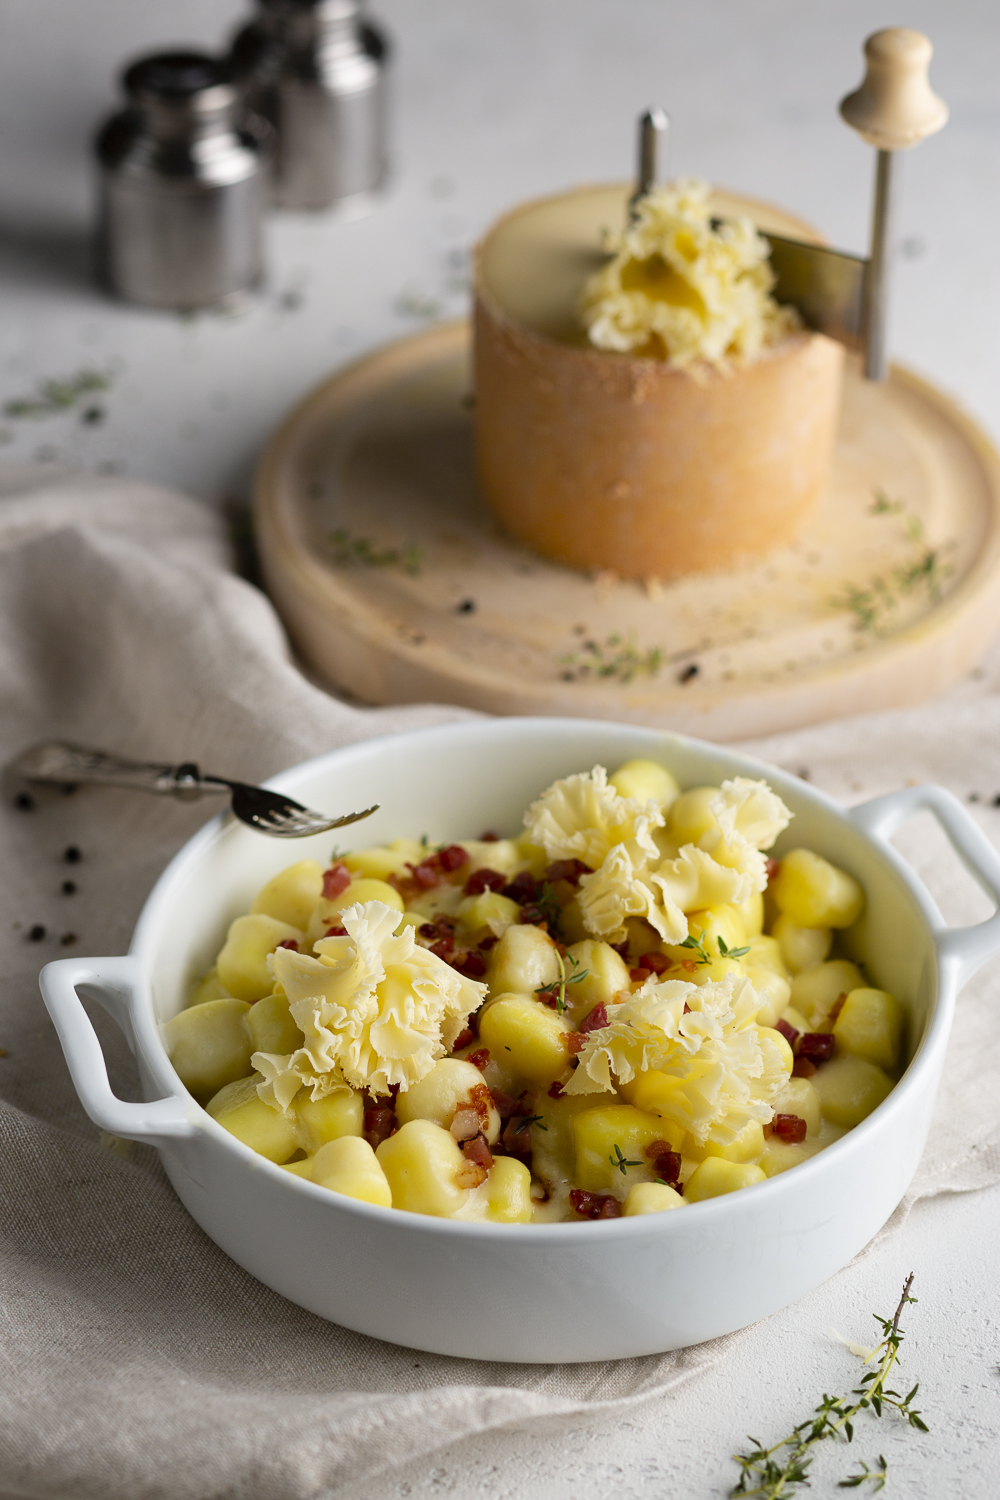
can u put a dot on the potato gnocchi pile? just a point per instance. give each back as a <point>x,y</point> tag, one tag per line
<point>627,1008</point>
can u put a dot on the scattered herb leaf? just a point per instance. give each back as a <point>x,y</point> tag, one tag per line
<point>622,1162</point>
<point>58,395</point>
<point>872,604</point>
<point>349,549</point>
<point>617,657</point>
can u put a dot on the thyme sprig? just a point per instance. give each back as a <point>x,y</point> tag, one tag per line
<point>349,549</point>
<point>58,395</point>
<point>697,945</point>
<point>617,657</point>
<point>772,1473</point>
<point>559,988</point>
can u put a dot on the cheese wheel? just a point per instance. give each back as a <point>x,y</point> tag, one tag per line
<point>620,462</point>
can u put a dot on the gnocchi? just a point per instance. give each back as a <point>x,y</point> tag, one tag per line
<point>625,1009</point>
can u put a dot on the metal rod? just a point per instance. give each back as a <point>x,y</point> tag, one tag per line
<point>653,128</point>
<point>877,279</point>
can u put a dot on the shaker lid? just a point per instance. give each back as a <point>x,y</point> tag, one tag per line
<point>181,78</point>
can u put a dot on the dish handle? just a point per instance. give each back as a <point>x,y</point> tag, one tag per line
<point>115,981</point>
<point>964,949</point>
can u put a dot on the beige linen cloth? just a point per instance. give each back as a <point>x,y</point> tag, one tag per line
<point>138,1361</point>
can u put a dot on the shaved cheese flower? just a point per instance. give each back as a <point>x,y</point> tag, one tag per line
<point>718,1071</point>
<point>375,1009</point>
<point>683,287</point>
<point>582,817</point>
<point>690,882</point>
<point>750,817</point>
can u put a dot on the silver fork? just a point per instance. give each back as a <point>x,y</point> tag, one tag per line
<point>268,812</point>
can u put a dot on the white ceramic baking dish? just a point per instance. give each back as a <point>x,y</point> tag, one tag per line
<point>555,1292</point>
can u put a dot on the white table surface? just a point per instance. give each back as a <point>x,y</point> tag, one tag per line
<point>495,102</point>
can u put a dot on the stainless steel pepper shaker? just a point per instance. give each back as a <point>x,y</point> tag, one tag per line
<point>315,70</point>
<point>182,187</point>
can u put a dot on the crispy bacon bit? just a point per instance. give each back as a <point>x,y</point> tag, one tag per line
<point>470,1174</point>
<point>594,1205</point>
<point>452,857</point>
<point>567,869</point>
<point>472,965</point>
<point>379,1125</point>
<point>335,931</point>
<point>687,1009</point>
<point>516,1137</point>
<point>576,1041</point>
<point>503,1103</point>
<point>466,1123</point>
<point>640,975</point>
<point>488,943</point>
<point>290,943</point>
<point>788,1032</point>
<point>336,880</point>
<point>656,963</point>
<point>478,1152</point>
<point>427,874</point>
<point>549,998</point>
<point>836,1008</point>
<point>773,866</point>
<point>817,1046</point>
<point>666,1161</point>
<point>789,1128</point>
<point>479,1059</point>
<point>803,1068</point>
<point>555,1090</point>
<point>767,1130</point>
<point>621,949</point>
<point>597,1018</point>
<point>464,1039</point>
<point>523,889</point>
<point>484,880</point>
<point>444,948</point>
<point>489,837</point>
<point>428,930</point>
<point>482,1102</point>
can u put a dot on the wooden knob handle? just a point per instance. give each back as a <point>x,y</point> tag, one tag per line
<point>895,106</point>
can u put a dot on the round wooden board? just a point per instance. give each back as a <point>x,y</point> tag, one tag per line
<point>397,585</point>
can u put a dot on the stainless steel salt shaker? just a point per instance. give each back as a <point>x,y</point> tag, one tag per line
<point>315,70</point>
<point>182,190</point>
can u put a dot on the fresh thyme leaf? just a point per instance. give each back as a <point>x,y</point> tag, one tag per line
<point>727,952</point>
<point>58,395</point>
<point>872,605</point>
<point>349,549</point>
<point>617,657</point>
<point>697,945</point>
<point>557,987</point>
<point>772,1473</point>
<point>530,1120</point>
<point>622,1162</point>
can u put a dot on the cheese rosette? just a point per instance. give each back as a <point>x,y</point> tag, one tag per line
<point>683,287</point>
<point>750,817</point>
<point>721,1071</point>
<point>662,895</point>
<point>725,866</point>
<point>582,817</point>
<point>375,1008</point>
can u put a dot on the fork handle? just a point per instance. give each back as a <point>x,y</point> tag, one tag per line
<point>59,761</point>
